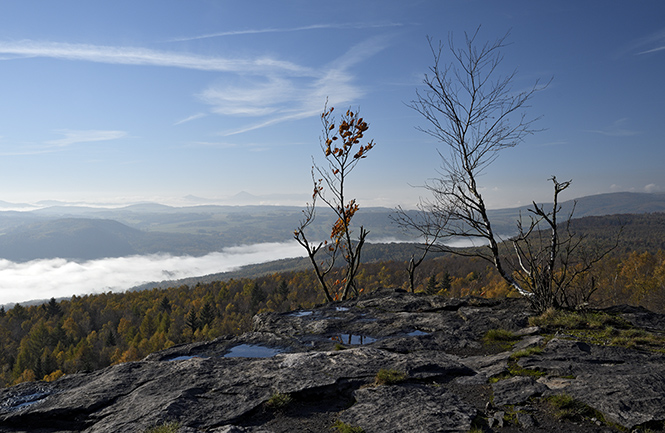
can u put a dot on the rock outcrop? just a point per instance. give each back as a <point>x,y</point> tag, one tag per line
<point>326,361</point>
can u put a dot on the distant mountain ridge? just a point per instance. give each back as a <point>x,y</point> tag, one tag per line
<point>70,238</point>
<point>86,233</point>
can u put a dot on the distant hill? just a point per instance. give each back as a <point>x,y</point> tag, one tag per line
<point>504,220</point>
<point>68,238</point>
<point>84,232</point>
<point>89,239</point>
<point>639,232</point>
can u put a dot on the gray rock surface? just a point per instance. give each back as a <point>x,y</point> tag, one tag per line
<point>326,359</point>
<point>516,390</point>
<point>414,408</point>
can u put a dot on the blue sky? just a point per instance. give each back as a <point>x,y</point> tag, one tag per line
<point>155,100</point>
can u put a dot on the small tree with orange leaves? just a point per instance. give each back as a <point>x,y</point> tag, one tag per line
<point>341,145</point>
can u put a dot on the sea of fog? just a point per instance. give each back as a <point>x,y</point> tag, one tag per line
<point>44,279</point>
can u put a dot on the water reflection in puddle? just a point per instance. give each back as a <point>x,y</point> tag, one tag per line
<point>341,309</point>
<point>417,333</point>
<point>185,357</point>
<point>26,400</point>
<point>252,351</point>
<point>353,339</point>
<point>301,314</point>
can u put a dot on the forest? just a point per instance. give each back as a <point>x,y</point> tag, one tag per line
<point>84,333</point>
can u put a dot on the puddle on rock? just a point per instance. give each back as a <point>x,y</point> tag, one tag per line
<point>341,309</point>
<point>353,339</point>
<point>252,351</point>
<point>301,313</point>
<point>417,333</point>
<point>22,401</point>
<point>185,357</point>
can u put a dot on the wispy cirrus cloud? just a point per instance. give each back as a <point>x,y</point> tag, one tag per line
<point>617,129</point>
<point>268,89</point>
<point>89,136</point>
<point>147,57</point>
<point>651,43</point>
<point>282,99</point>
<point>70,137</point>
<point>190,118</point>
<point>287,30</point>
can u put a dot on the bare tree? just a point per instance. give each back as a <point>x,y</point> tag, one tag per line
<point>474,113</point>
<point>554,263</point>
<point>342,149</point>
<point>427,227</point>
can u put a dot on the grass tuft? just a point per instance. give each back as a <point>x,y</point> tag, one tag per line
<point>529,351</point>
<point>345,428</point>
<point>501,338</point>
<point>390,377</point>
<point>599,328</point>
<point>168,427</point>
<point>498,335</point>
<point>567,408</point>
<point>279,401</point>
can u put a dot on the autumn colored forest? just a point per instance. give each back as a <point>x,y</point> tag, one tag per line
<point>43,342</point>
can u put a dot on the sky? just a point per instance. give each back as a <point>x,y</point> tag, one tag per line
<point>126,101</point>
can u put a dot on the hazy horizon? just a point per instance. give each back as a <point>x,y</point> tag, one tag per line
<point>189,201</point>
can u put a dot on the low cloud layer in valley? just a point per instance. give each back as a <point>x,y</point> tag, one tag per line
<point>43,279</point>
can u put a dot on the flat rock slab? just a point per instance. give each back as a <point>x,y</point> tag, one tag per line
<point>416,409</point>
<point>203,392</point>
<point>517,390</point>
<point>627,386</point>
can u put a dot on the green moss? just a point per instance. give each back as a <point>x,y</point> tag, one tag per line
<point>557,319</point>
<point>345,428</point>
<point>501,338</point>
<point>500,377</point>
<point>390,377</point>
<point>495,335</point>
<point>530,351</point>
<point>516,370</point>
<point>599,328</point>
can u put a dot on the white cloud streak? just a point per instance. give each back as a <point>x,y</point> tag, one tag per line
<point>617,129</point>
<point>274,90</point>
<point>43,279</point>
<point>288,30</point>
<point>284,99</point>
<point>147,57</point>
<point>89,136</point>
<point>190,118</point>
